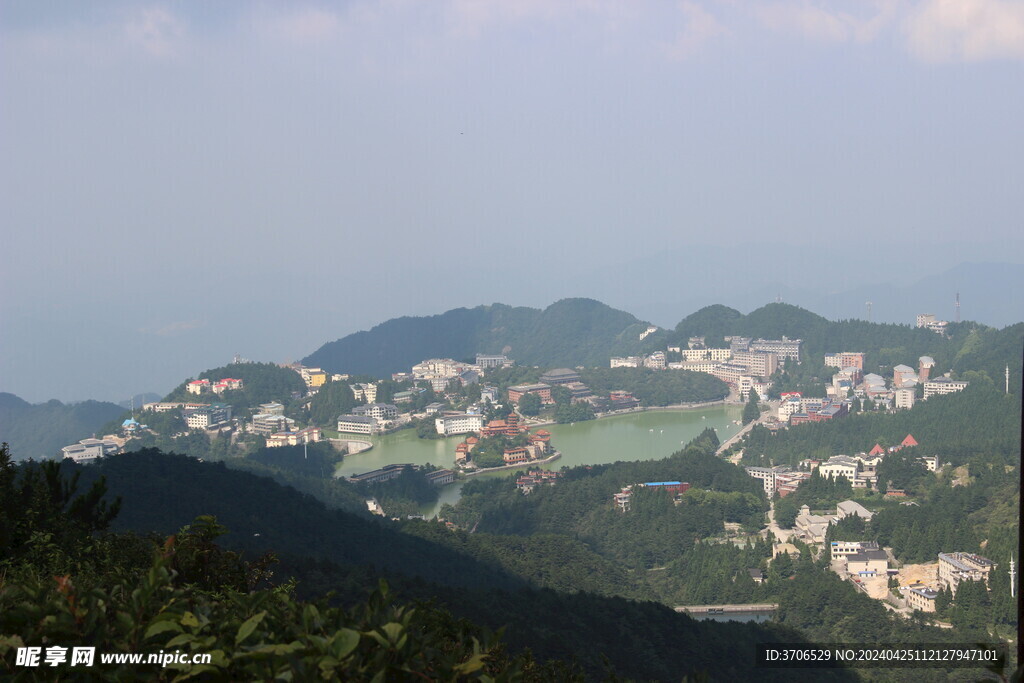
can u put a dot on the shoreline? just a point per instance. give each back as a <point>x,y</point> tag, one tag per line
<point>643,409</point>
<point>551,458</point>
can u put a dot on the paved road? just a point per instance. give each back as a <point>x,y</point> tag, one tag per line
<point>765,416</point>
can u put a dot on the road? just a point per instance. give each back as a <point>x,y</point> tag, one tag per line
<point>783,535</point>
<point>765,416</point>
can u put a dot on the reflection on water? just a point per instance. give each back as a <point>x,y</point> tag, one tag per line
<point>648,435</point>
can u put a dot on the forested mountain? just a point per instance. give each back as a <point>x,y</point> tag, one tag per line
<point>569,332</point>
<point>966,346</point>
<point>979,421</point>
<point>41,430</point>
<point>493,582</point>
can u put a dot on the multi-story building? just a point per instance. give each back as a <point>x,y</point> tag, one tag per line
<point>486,361</point>
<point>702,354</point>
<point>903,375</point>
<point>382,412</point>
<point>303,436</point>
<point>924,368</point>
<point>198,386</point>
<point>627,362</point>
<point>868,563</point>
<point>270,423</point>
<point>357,424</point>
<point>517,392</point>
<point>272,408</point>
<point>839,466</point>
<point>364,391</point>
<point>89,450</point>
<point>458,424</point>
<point>905,398</point>
<point>705,366</point>
<point>730,373</point>
<point>656,361</point>
<point>759,363</point>
<point>847,548</point>
<point>207,416</point>
<point>957,567</point>
<point>925,319</point>
<point>560,376</point>
<point>783,348</point>
<point>942,385</point>
<point>313,377</point>
<point>845,359</point>
<point>227,384</point>
<point>921,598</point>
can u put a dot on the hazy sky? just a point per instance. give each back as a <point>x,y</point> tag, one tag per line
<point>183,181</point>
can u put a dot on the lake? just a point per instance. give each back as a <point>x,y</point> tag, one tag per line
<point>647,435</point>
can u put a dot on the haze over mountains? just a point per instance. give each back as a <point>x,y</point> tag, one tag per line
<point>145,344</point>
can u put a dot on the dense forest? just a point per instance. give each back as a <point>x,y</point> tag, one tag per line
<point>655,388</point>
<point>199,590</point>
<point>981,420</point>
<point>41,430</point>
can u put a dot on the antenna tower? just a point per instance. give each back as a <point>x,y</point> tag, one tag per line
<point>1007,378</point>
<point>1013,578</point>
<point>958,306</point>
<point>869,310</point>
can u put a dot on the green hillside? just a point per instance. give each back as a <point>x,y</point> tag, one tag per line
<point>569,332</point>
<point>40,431</point>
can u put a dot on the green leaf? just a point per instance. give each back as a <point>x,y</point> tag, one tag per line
<point>344,642</point>
<point>162,627</point>
<point>189,619</point>
<point>246,629</point>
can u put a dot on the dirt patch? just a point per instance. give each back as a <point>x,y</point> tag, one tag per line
<point>876,587</point>
<point>927,574</point>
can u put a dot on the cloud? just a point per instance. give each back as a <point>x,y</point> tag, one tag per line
<point>306,25</point>
<point>699,28</point>
<point>966,30</point>
<point>155,30</point>
<point>827,24</point>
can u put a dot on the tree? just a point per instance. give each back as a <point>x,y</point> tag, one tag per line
<point>530,404</point>
<point>751,411</point>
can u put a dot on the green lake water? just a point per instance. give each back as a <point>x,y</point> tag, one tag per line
<point>648,435</point>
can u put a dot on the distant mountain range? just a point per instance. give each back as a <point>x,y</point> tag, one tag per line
<point>40,431</point>
<point>568,332</point>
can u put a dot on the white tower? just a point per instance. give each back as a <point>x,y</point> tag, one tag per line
<point>1007,379</point>
<point>1013,577</point>
<point>868,304</point>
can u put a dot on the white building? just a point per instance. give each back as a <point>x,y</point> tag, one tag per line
<point>782,348</point>
<point>88,450</point>
<point>378,411</point>
<point>204,417</point>
<point>942,385</point>
<point>357,424</point>
<point>627,362</point>
<point>839,465</point>
<point>458,424</point>
<point>905,398</point>
<point>957,567</point>
<point>269,423</point>
<point>364,392</point>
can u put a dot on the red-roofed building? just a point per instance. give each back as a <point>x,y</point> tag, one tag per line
<point>909,441</point>
<point>877,450</point>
